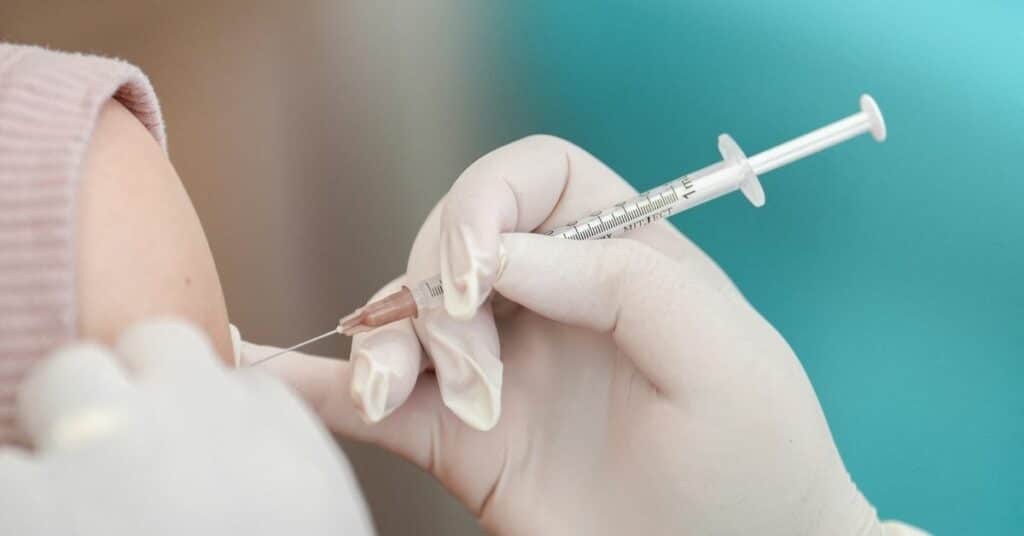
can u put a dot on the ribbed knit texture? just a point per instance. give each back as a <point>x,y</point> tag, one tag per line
<point>49,103</point>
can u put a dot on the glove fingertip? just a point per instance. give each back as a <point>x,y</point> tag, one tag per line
<point>236,344</point>
<point>462,297</point>
<point>385,365</point>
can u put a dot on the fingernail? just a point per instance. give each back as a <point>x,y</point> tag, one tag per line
<point>476,401</point>
<point>502,260</point>
<point>463,302</point>
<point>472,394</point>
<point>369,388</point>
<point>236,344</point>
<point>460,275</point>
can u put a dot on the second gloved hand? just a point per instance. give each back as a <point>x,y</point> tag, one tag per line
<point>161,439</point>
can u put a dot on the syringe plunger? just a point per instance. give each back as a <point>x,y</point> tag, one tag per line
<point>869,119</point>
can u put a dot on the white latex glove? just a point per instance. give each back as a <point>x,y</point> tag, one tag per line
<point>170,443</point>
<point>642,393</point>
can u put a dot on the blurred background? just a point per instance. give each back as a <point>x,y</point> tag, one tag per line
<point>315,136</point>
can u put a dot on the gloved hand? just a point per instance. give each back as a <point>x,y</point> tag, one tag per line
<point>170,443</point>
<point>642,394</point>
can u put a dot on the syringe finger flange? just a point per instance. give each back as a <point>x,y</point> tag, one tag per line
<point>750,185</point>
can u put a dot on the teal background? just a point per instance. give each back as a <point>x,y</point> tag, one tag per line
<point>893,269</point>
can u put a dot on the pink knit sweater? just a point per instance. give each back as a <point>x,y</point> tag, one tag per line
<point>49,102</point>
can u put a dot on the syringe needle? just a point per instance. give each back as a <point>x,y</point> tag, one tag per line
<point>296,347</point>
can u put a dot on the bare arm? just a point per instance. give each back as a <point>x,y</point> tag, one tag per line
<point>141,250</point>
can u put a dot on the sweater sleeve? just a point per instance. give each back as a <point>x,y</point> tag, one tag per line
<point>49,104</point>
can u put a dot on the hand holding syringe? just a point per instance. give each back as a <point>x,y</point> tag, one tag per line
<point>734,172</point>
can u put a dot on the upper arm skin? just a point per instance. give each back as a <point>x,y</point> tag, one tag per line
<point>141,250</point>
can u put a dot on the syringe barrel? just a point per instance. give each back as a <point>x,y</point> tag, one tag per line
<point>661,202</point>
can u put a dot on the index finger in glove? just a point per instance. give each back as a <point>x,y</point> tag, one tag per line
<point>464,354</point>
<point>534,184</point>
<point>677,330</point>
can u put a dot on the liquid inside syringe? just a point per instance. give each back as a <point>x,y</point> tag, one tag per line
<point>734,172</point>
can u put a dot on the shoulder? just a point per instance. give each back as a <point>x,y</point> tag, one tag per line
<point>141,249</point>
<point>96,230</point>
<point>91,127</point>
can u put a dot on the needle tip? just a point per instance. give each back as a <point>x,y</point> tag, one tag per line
<point>293,348</point>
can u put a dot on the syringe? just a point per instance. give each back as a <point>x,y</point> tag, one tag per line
<point>734,172</point>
